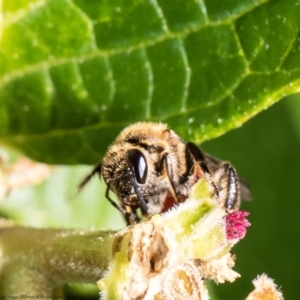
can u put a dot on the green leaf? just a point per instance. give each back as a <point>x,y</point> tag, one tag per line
<point>74,73</point>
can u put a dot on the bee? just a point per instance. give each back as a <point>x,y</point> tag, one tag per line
<point>150,168</point>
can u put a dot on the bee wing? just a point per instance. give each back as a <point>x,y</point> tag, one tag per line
<point>214,164</point>
<point>244,189</point>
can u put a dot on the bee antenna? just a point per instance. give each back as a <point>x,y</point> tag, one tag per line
<point>85,180</point>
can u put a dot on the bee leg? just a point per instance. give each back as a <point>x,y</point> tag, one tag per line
<point>195,155</point>
<point>195,162</point>
<point>142,202</point>
<point>228,186</point>
<point>82,184</point>
<point>114,204</point>
<point>168,167</point>
<point>197,166</point>
<point>128,213</point>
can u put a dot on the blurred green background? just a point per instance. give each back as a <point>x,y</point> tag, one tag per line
<point>265,151</point>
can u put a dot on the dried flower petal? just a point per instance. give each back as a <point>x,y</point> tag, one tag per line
<point>265,288</point>
<point>22,173</point>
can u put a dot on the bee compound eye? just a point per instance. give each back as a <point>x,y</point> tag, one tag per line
<point>139,164</point>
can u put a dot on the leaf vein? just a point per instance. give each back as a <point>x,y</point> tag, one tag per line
<point>111,79</point>
<point>89,22</point>
<point>106,53</point>
<point>188,75</point>
<point>287,52</point>
<point>150,84</point>
<point>20,14</point>
<point>99,53</point>
<point>160,14</point>
<point>241,51</point>
<point>204,10</point>
<point>62,132</point>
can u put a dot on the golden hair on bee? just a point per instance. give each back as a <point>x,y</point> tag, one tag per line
<point>150,168</point>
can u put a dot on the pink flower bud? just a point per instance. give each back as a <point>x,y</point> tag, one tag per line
<point>236,224</point>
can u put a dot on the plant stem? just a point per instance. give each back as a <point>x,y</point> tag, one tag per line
<point>34,261</point>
